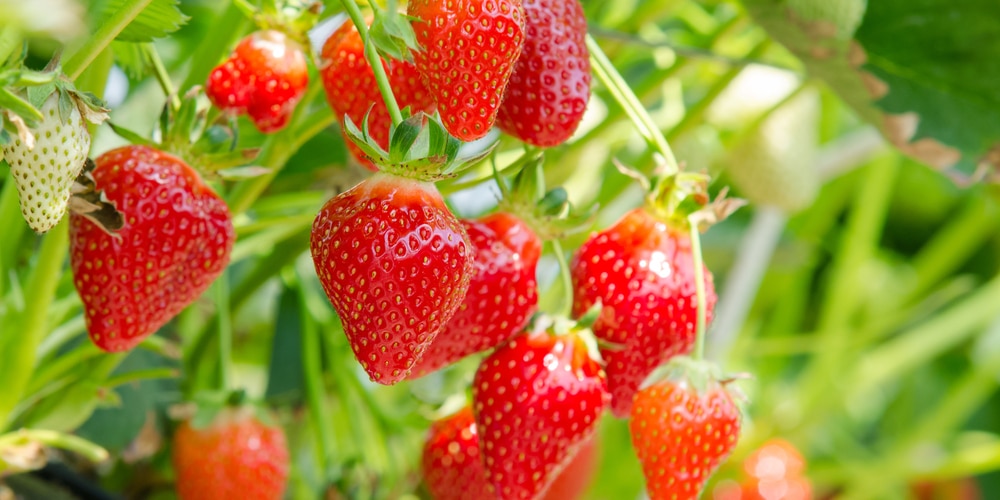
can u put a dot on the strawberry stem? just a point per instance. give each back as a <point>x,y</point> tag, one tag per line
<point>567,279</point>
<point>313,373</point>
<point>162,76</point>
<point>85,448</point>
<point>371,54</point>
<point>103,37</point>
<point>626,98</point>
<point>18,353</point>
<point>699,287</point>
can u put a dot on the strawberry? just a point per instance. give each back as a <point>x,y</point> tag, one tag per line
<point>235,456</point>
<point>351,90</point>
<point>395,264</point>
<point>681,434</point>
<point>774,471</point>
<point>502,297</point>
<point>452,467</point>
<point>175,241</point>
<point>468,51</point>
<point>537,400</point>
<point>264,77</point>
<point>44,172</point>
<point>550,87</point>
<point>641,270</point>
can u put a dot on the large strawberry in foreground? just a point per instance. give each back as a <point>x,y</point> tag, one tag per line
<point>503,294</point>
<point>264,77</point>
<point>642,271</point>
<point>351,89</point>
<point>396,265</point>
<point>537,401</point>
<point>681,432</point>
<point>176,239</point>
<point>44,171</point>
<point>235,456</point>
<point>468,51</point>
<point>549,90</point>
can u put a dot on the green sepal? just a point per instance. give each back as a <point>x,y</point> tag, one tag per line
<point>130,136</point>
<point>402,137</point>
<point>30,114</point>
<point>391,32</point>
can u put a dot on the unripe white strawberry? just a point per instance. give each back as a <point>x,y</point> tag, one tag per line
<point>774,163</point>
<point>44,173</point>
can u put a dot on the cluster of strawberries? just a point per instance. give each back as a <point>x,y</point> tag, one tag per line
<point>417,289</point>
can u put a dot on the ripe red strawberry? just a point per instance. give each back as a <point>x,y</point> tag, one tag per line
<point>351,90</point>
<point>175,241</point>
<point>264,77</point>
<point>452,466</point>
<point>236,456</point>
<point>537,400</point>
<point>550,87</point>
<point>502,297</point>
<point>573,481</point>
<point>396,265</point>
<point>469,48</point>
<point>641,269</point>
<point>681,435</point>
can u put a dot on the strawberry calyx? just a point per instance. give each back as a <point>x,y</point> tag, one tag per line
<point>391,32</point>
<point>701,375</point>
<point>294,18</point>
<point>680,199</point>
<point>209,408</point>
<point>185,132</point>
<point>548,213</point>
<point>578,332</point>
<point>419,148</point>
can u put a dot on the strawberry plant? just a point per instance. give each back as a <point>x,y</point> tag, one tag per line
<point>531,249</point>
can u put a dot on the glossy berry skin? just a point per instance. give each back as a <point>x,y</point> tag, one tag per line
<point>453,467</point>
<point>351,89</point>
<point>264,78</point>
<point>642,271</point>
<point>681,436</point>
<point>502,296</point>
<point>469,48</point>
<point>451,464</point>
<point>537,400</point>
<point>236,456</point>
<point>549,90</point>
<point>396,265</point>
<point>176,240</point>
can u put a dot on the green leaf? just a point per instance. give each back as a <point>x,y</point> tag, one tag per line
<point>158,19</point>
<point>934,96</point>
<point>131,59</point>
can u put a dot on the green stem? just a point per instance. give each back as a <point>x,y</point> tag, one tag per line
<point>103,36</point>
<point>699,289</point>
<point>622,93</point>
<point>313,372</point>
<point>19,351</point>
<point>140,375</point>
<point>162,76</point>
<point>85,448</point>
<point>371,54</point>
<point>11,230</point>
<point>225,331</point>
<point>567,279</point>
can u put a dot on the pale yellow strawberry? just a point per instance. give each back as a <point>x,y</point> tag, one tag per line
<point>44,172</point>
